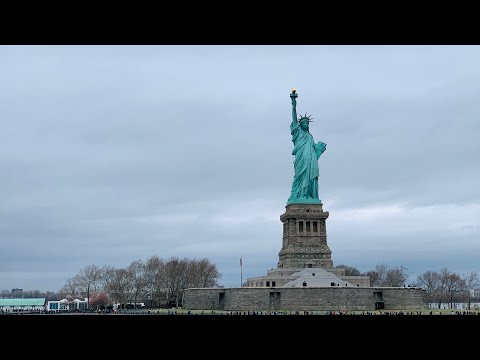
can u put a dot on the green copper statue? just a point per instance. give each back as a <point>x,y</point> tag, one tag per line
<point>305,181</point>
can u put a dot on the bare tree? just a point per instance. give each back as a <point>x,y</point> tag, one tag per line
<point>175,274</point>
<point>471,282</point>
<point>120,285</point>
<point>189,275</point>
<point>383,275</point>
<point>106,272</point>
<point>137,269</point>
<point>205,273</point>
<point>89,279</point>
<point>377,275</point>
<point>70,289</point>
<point>431,283</point>
<point>198,274</point>
<point>396,277</point>
<point>154,274</point>
<point>452,285</point>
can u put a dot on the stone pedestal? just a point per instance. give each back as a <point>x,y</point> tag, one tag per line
<point>304,238</point>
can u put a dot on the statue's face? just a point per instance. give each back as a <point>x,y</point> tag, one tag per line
<point>304,125</point>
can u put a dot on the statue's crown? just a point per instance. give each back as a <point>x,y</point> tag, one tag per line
<point>305,117</point>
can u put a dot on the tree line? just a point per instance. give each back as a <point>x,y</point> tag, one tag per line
<point>381,275</point>
<point>442,287</point>
<point>446,287</point>
<point>155,282</point>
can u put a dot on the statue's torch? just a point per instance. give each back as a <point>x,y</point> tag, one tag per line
<point>294,94</point>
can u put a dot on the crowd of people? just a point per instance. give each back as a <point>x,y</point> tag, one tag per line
<point>246,312</point>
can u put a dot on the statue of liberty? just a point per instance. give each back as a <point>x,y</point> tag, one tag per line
<point>305,181</point>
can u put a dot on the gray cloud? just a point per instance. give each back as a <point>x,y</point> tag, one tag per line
<point>117,153</point>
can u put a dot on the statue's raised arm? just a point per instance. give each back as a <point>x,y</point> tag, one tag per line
<point>294,96</point>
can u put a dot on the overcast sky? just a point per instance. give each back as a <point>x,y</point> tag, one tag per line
<point>112,154</point>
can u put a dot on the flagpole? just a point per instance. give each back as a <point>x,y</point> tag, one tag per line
<point>241,273</point>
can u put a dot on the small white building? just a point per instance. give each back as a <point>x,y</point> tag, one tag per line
<point>65,305</point>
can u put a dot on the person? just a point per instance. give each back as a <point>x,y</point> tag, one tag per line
<point>306,152</point>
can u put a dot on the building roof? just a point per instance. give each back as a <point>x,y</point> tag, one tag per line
<point>66,301</point>
<point>23,302</point>
<point>315,277</point>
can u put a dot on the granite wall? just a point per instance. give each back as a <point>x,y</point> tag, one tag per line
<point>310,298</point>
